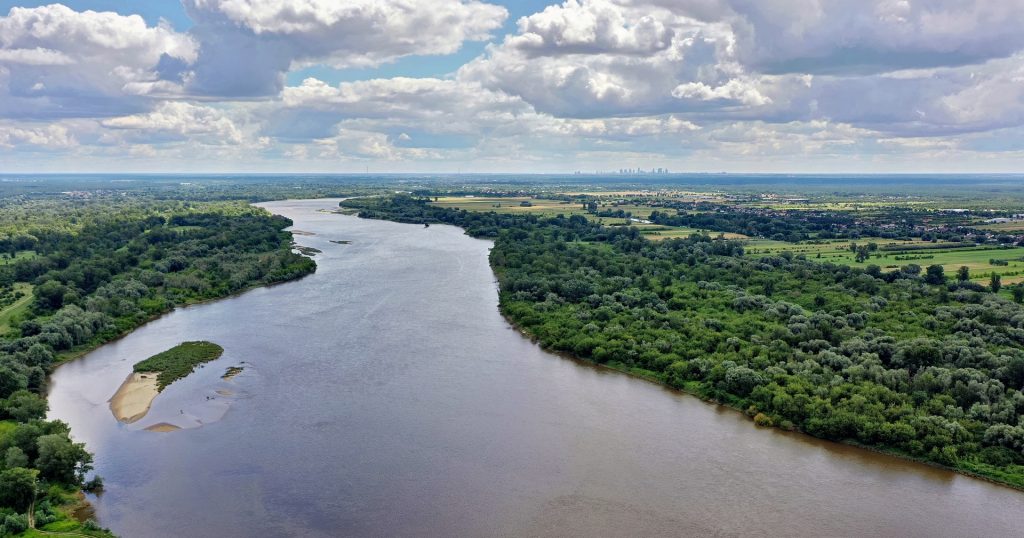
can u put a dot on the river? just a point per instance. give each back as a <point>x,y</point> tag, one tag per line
<point>386,396</point>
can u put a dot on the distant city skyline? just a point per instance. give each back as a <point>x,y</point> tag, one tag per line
<point>448,86</point>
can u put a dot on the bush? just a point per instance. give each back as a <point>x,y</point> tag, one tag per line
<point>15,524</point>
<point>93,485</point>
<point>762,419</point>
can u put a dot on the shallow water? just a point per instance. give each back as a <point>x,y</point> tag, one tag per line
<point>385,396</point>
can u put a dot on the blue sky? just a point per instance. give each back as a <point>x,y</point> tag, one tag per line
<point>531,86</point>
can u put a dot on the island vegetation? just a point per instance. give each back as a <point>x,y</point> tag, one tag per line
<point>179,361</point>
<point>917,363</point>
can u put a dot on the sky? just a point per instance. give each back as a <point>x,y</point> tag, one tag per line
<point>439,86</point>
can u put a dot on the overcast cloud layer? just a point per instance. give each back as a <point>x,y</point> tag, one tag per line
<point>692,85</point>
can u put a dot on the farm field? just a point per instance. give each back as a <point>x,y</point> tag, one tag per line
<point>1003,226</point>
<point>660,233</point>
<point>509,205</point>
<point>976,259</point>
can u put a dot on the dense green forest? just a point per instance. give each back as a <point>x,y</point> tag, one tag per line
<point>908,362</point>
<point>75,273</point>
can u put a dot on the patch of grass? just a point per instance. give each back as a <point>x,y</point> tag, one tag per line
<point>6,259</point>
<point>16,310</point>
<point>179,361</point>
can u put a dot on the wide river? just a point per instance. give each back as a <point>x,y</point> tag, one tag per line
<point>386,396</point>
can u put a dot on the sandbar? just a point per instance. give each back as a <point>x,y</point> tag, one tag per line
<point>163,427</point>
<point>136,395</point>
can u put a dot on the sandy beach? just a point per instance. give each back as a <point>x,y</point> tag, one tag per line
<point>136,395</point>
<point>163,427</point>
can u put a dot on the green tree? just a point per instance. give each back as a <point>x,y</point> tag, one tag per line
<point>963,274</point>
<point>995,283</point>
<point>11,381</point>
<point>50,295</point>
<point>24,406</point>
<point>935,275</point>
<point>15,457</point>
<point>61,460</point>
<point>1018,293</point>
<point>18,488</point>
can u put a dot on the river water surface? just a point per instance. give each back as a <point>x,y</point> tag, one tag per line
<point>386,396</point>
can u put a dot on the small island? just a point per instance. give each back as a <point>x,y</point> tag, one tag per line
<point>151,376</point>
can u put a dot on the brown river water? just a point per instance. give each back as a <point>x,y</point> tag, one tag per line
<point>386,396</point>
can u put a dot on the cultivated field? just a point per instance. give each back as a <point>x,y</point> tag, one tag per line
<point>977,259</point>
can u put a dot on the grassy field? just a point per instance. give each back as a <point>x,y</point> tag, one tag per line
<point>976,259</point>
<point>547,208</point>
<point>23,255</point>
<point>15,310</point>
<point>1003,226</point>
<point>660,233</point>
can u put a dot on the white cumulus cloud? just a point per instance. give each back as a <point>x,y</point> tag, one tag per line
<point>248,45</point>
<point>63,63</point>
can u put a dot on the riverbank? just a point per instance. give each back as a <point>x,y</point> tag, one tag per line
<point>693,390</point>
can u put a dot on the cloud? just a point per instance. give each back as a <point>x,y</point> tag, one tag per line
<point>36,56</point>
<point>176,120</point>
<point>248,45</point>
<point>452,113</point>
<point>581,83</point>
<point>734,90</point>
<point>52,136</point>
<point>928,102</point>
<point>351,144</point>
<point>57,62</point>
<point>588,58</point>
<point>865,36</point>
<point>600,57</point>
